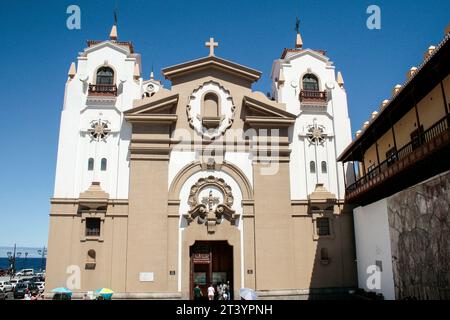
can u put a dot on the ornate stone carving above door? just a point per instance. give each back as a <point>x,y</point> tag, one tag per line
<point>210,110</point>
<point>211,200</point>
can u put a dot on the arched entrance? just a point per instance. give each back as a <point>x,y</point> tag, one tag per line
<point>196,224</point>
<point>211,262</point>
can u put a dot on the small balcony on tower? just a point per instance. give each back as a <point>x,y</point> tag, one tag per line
<point>102,90</point>
<point>313,96</point>
<point>310,93</point>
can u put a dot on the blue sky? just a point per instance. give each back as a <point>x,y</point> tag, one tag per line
<point>37,50</point>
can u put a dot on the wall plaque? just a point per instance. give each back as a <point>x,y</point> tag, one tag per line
<point>146,277</point>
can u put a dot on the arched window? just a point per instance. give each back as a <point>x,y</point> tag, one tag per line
<point>103,164</point>
<point>91,256</point>
<point>310,82</point>
<point>105,75</point>
<point>90,259</point>
<point>312,167</point>
<point>91,164</point>
<point>211,105</point>
<point>324,167</point>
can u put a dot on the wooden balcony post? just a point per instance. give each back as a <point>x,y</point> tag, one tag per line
<point>445,103</point>
<point>363,163</point>
<point>417,116</point>
<point>376,148</point>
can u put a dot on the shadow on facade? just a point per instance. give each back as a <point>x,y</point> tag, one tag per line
<point>334,271</point>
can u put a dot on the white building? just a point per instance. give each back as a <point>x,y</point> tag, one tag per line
<point>306,82</point>
<point>136,181</point>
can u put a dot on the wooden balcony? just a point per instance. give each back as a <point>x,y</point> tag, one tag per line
<point>423,158</point>
<point>102,90</point>
<point>313,96</point>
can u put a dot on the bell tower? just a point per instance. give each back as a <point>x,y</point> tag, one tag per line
<point>305,80</point>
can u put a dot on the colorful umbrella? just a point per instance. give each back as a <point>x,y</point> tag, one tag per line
<point>105,293</point>
<point>248,294</point>
<point>62,290</point>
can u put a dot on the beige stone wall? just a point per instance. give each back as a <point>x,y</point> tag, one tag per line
<point>69,247</point>
<point>280,244</point>
<point>310,271</point>
<point>147,223</point>
<point>274,233</point>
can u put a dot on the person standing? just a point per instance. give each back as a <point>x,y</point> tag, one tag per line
<point>27,295</point>
<point>211,292</point>
<point>219,291</point>
<point>197,292</point>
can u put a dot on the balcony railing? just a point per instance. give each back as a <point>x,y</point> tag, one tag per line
<point>424,138</point>
<point>92,232</point>
<point>103,90</point>
<point>313,96</point>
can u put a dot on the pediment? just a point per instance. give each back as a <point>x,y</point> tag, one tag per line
<point>160,103</point>
<point>124,48</point>
<point>295,55</point>
<point>160,108</point>
<point>211,62</point>
<point>261,111</point>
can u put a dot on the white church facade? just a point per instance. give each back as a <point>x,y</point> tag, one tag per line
<point>159,189</point>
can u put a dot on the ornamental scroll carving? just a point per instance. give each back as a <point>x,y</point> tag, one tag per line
<point>210,201</point>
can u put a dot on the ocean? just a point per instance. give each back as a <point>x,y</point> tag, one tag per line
<point>38,264</point>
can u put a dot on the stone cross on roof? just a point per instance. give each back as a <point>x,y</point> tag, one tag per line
<point>211,44</point>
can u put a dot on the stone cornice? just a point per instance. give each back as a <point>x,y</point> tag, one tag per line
<point>268,122</point>
<point>145,149</point>
<point>123,47</point>
<point>161,99</point>
<point>211,62</point>
<point>152,118</point>
<point>264,113</point>
<point>75,201</point>
<point>259,103</point>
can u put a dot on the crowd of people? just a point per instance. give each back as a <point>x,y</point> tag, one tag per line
<point>221,291</point>
<point>33,295</point>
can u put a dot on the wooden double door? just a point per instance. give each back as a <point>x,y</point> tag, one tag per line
<point>211,263</point>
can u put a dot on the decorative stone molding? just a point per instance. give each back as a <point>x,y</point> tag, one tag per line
<point>323,214</point>
<point>212,164</point>
<point>235,172</point>
<point>210,127</point>
<point>316,134</point>
<point>211,207</point>
<point>100,214</point>
<point>321,199</point>
<point>94,197</point>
